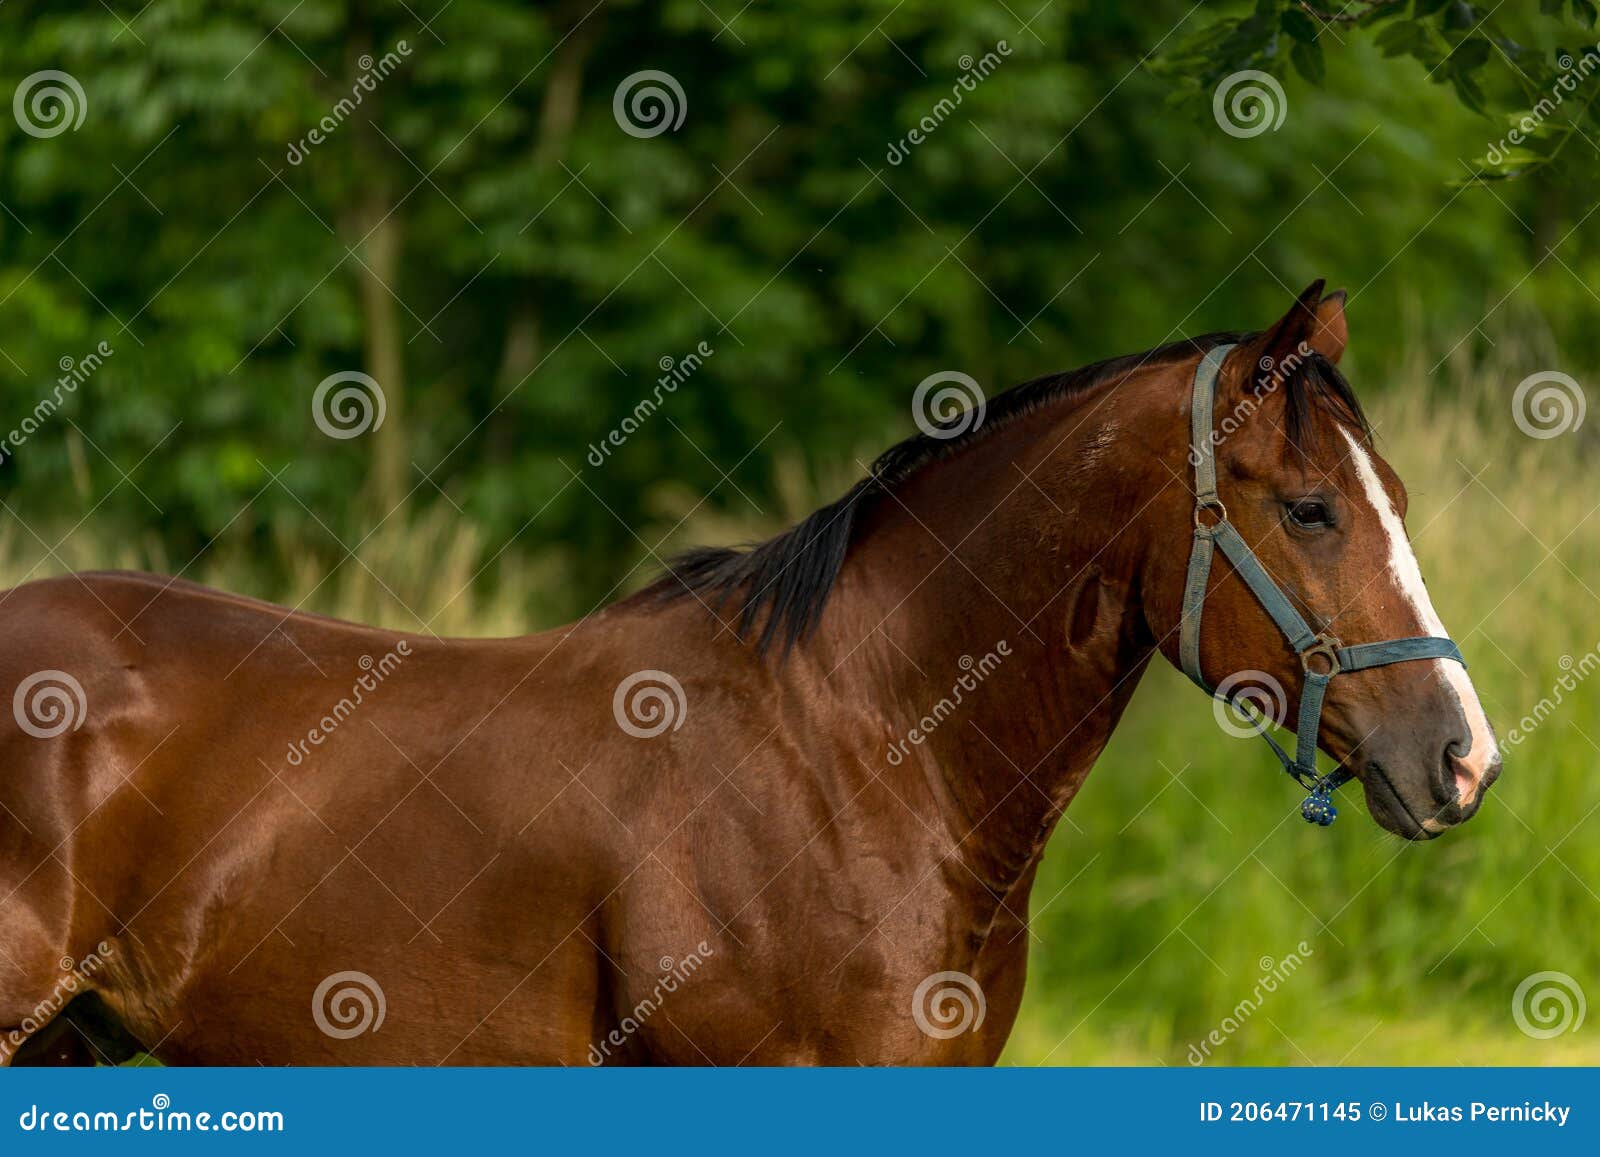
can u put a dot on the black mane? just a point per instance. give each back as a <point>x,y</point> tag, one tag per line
<point>789,577</point>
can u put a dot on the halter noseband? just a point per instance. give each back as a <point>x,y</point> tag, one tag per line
<point>1322,655</point>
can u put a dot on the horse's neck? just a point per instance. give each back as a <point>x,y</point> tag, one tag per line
<point>1008,620</point>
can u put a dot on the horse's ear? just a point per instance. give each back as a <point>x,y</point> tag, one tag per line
<point>1314,322</point>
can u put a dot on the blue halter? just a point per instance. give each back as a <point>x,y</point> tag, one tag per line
<point>1321,655</point>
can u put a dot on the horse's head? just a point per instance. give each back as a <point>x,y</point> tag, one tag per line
<point>1308,494</point>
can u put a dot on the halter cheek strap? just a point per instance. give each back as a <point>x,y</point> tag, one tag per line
<point>1321,655</point>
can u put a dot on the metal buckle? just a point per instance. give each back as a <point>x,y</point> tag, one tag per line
<point>1327,647</point>
<point>1213,504</point>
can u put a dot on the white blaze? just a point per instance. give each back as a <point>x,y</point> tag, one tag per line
<point>1408,576</point>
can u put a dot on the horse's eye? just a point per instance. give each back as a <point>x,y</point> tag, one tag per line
<point>1311,513</point>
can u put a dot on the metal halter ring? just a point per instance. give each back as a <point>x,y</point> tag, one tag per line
<point>1327,647</point>
<point>1210,504</point>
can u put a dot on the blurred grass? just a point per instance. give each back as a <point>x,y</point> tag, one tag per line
<point>1183,862</point>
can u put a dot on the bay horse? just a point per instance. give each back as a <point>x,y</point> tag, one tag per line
<point>783,806</point>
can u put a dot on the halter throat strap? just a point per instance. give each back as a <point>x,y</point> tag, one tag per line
<point>1322,656</point>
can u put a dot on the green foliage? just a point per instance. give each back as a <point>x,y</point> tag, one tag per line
<point>480,234</point>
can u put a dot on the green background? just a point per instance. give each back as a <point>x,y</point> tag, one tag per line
<point>483,238</point>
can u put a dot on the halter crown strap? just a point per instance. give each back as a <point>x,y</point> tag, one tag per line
<point>1321,655</point>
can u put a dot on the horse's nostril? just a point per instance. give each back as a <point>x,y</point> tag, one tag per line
<point>1455,780</point>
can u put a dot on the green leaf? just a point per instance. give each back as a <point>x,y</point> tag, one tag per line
<point>1551,7</point>
<point>1585,9</point>
<point>1427,7</point>
<point>1403,37</point>
<point>1471,54</point>
<point>1469,92</point>
<point>1307,60</point>
<point>1300,26</point>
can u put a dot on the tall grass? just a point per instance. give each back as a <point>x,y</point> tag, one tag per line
<point>1183,872</point>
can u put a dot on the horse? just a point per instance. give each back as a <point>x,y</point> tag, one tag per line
<point>784,805</point>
